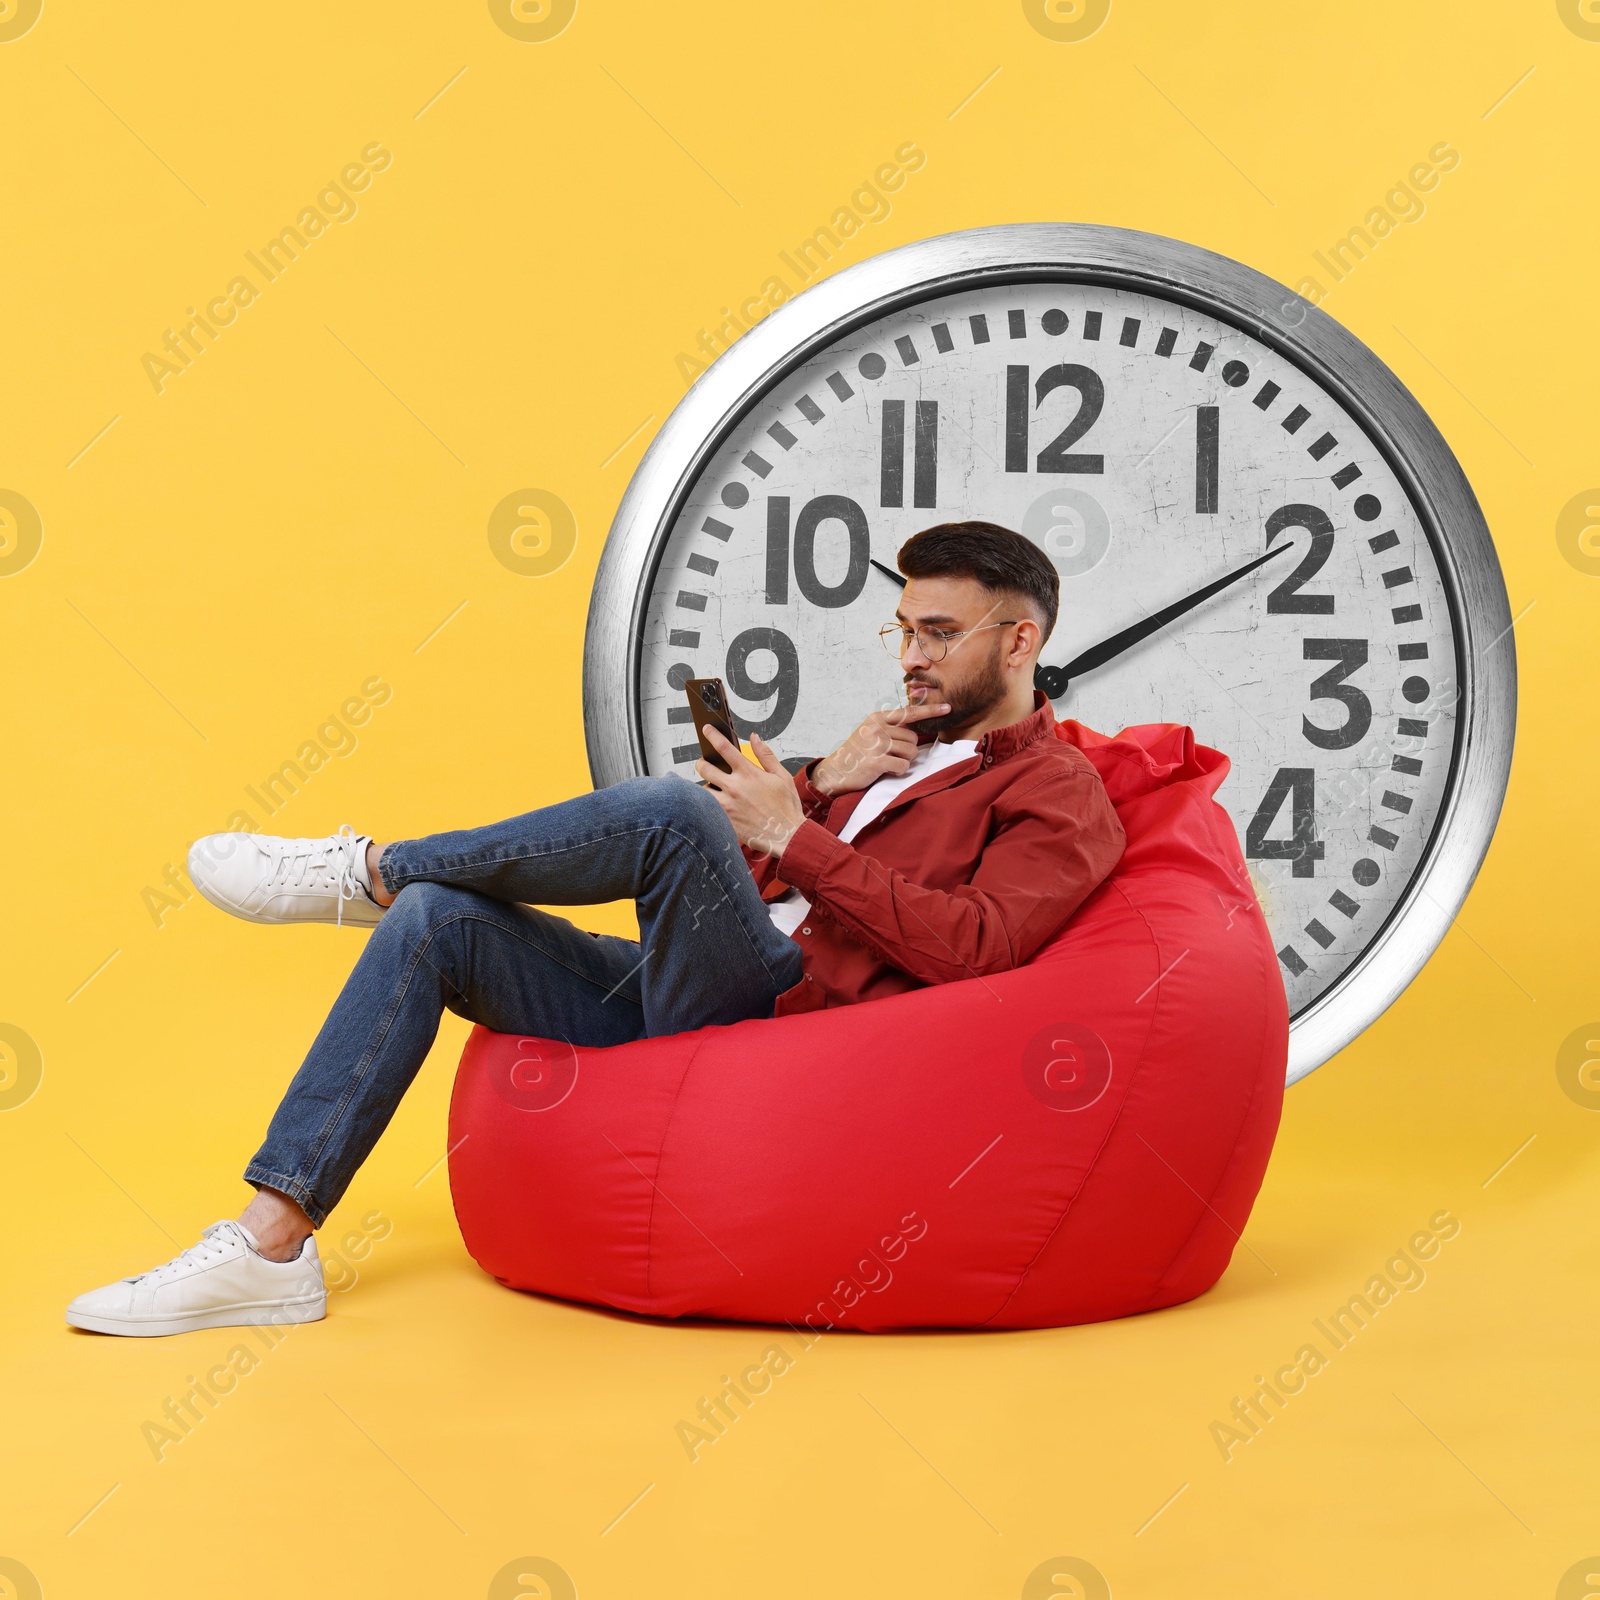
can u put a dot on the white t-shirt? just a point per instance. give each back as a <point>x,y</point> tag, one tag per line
<point>789,910</point>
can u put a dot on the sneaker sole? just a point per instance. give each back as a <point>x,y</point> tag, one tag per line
<point>269,919</point>
<point>258,1314</point>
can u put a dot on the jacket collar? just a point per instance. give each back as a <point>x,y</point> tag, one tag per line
<point>998,744</point>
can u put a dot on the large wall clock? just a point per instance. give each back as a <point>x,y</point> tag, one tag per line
<point>1258,530</point>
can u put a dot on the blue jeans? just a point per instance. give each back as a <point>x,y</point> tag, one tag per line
<point>460,935</point>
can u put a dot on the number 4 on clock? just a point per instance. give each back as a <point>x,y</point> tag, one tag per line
<point>1297,785</point>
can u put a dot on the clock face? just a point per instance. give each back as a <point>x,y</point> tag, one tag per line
<point>1361,679</point>
<point>1147,449</point>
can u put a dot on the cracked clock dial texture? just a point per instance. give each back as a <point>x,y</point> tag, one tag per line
<point>1148,449</point>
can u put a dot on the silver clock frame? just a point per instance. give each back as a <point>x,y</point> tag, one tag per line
<point>1120,258</point>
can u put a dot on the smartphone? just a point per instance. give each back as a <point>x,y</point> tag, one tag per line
<point>708,702</point>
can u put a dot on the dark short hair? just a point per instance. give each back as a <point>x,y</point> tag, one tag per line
<point>1002,561</point>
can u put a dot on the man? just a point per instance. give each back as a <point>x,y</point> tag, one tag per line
<point>950,838</point>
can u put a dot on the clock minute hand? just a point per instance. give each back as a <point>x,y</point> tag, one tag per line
<point>1054,680</point>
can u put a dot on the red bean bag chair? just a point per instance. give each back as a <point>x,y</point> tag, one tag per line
<point>1077,1139</point>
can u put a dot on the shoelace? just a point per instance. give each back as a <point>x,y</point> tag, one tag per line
<point>209,1248</point>
<point>334,860</point>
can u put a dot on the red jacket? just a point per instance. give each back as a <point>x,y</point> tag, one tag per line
<point>968,873</point>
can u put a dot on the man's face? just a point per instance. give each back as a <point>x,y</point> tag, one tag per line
<point>971,678</point>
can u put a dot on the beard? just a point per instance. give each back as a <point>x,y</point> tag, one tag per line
<point>979,694</point>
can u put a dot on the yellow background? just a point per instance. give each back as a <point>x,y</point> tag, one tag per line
<point>226,562</point>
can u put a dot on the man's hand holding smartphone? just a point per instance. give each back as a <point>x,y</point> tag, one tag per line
<point>760,801</point>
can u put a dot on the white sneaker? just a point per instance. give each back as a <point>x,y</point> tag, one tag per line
<point>264,879</point>
<point>222,1282</point>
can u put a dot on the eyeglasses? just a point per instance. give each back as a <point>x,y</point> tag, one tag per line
<point>934,643</point>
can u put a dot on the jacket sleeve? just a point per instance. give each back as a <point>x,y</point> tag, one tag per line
<point>1053,845</point>
<point>764,868</point>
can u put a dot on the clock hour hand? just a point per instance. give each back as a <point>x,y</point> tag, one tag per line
<point>888,572</point>
<point>1054,680</point>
